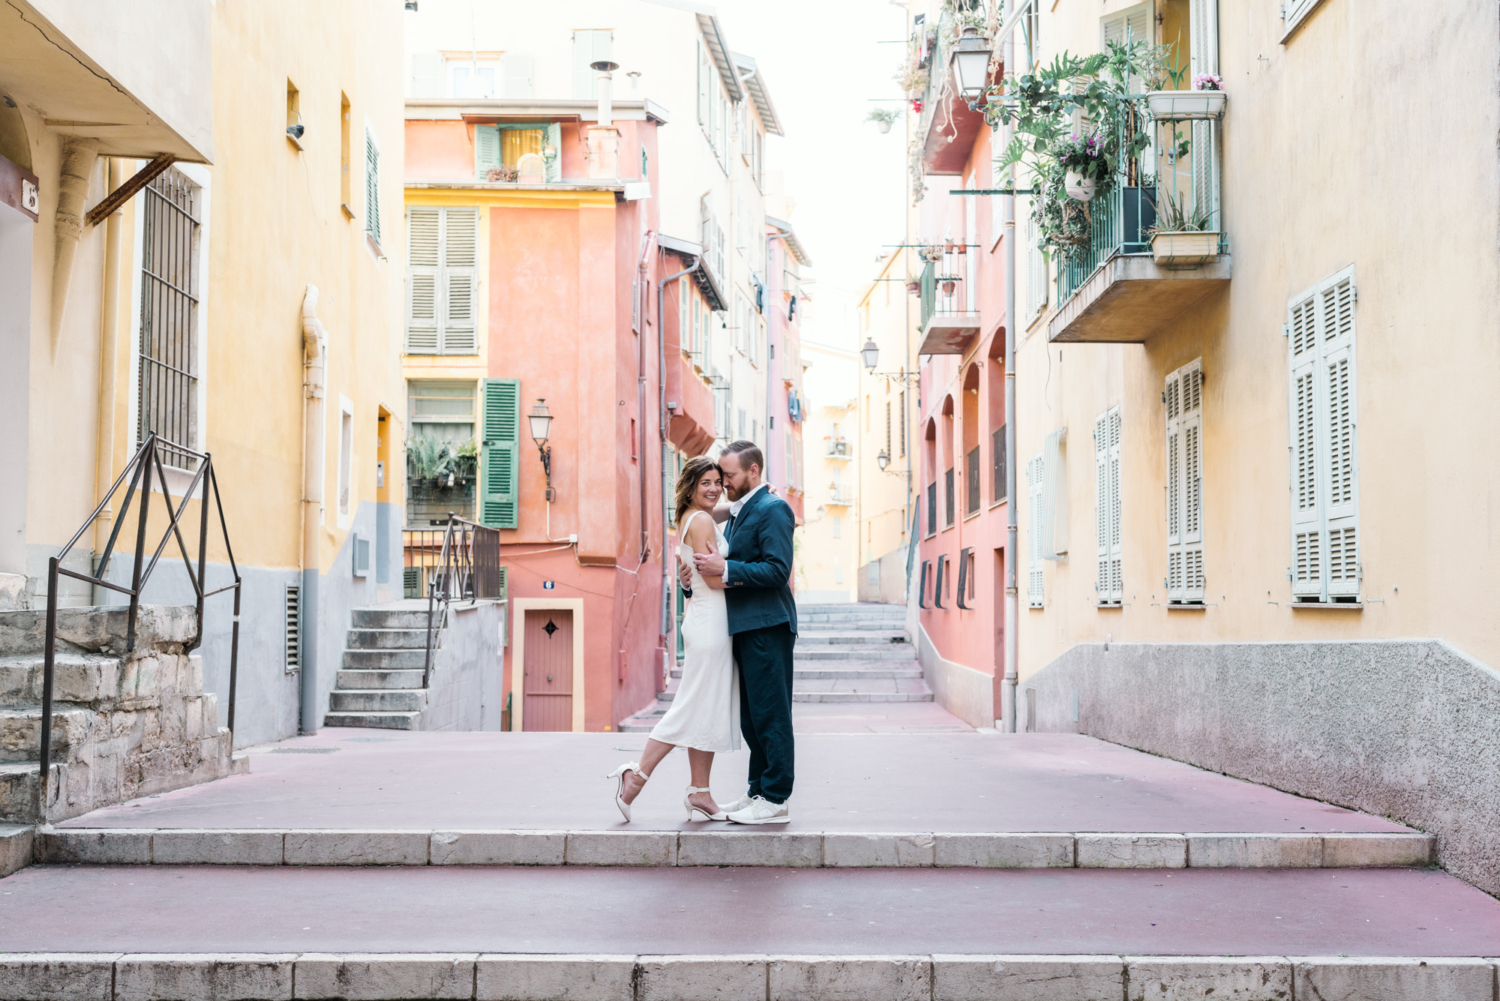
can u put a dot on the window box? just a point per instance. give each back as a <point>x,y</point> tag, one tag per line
<point>1185,105</point>
<point>1186,250</point>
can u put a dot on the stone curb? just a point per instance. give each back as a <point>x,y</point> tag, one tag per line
<point>729,847</point>
<point>514,977</point>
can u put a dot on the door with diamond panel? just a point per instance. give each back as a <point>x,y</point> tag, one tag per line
<point>547,673</point>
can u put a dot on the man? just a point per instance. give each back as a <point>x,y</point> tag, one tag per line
<point>757,575</point>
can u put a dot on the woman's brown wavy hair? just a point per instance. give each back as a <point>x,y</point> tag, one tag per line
<point>687,482</point>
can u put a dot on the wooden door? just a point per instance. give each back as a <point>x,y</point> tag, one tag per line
<point>548,670</point>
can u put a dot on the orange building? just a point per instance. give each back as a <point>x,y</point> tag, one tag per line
<point>534,264</point>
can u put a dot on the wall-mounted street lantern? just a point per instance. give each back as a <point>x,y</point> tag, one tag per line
<point>870,353</point>
<point>883,459</point>
<point>540,420</point>
<point>971,63</point>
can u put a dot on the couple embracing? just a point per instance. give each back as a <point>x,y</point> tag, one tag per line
<point>737,638</point>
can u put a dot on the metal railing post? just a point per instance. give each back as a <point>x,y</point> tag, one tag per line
<point>148,453</point>
<point>48,659</point>
<point>208,466</point>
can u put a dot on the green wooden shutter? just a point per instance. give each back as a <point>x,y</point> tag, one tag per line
<point>372,188</point>
<point>499,480</point>
<point>486,150</point>
<point>554,161</point>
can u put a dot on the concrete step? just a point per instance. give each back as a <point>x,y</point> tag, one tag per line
<point>823,670</point>
<point>377,700</point>
<point>76,677</point>
<point>18,788</point>
<point>386,659</point>
<point>366,680</point>
<point>390,618</point>
<point>867,651</point>
<point>387,639</point>
<point>21,732</point>
<point>802,695</point>
<point>856,637</point>
<point>377,720</point>
<point>734,846</point>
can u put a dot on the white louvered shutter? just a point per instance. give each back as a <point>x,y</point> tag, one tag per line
<point>1340,504</point>
<point>1203,29</point>
<point>1133,25</point>
<point>1116,527</point>
<point>554,162</point>
<point>1108,578</point>
<point>517,76</point>
<point>422,255</point>
<point>1307,515</point>
<point>486,150</point>
<point>971,259</point>
<point>1184,394</point>
<point>460,280</point>
<point>427,74</point>
<point>372,188</point>
<point>1034,523</point>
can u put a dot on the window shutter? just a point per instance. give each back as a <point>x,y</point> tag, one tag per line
<point>427,74</point>
<point>460,277</point>
<point>372,188</point>
<point>1034,521</point>
<point>583,54</point>
<point>422,280</point>
<point>1108,579</point>
<point>500,453</point>
<point>1055,496</point>
<point>1184,395</point>
<point>486,150</point>
<point>1324,446</point>
<point>554,162</point>
<point>517,80</point>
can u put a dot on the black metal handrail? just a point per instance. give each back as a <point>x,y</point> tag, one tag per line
<point>468,568</point>
<point>139,470</point>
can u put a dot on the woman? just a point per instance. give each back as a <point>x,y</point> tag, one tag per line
<point>705,712</point>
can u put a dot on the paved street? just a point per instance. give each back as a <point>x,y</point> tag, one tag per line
<point>537,781</point>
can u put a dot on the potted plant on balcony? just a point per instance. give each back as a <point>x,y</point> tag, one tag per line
<point>1205,100</point>
<point>1086,167</point>
<point>949,283</point>
<point>913,284</point>
<point>1184,235</point>
<point>883,117</point>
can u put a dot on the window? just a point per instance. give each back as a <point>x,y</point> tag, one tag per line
<point>887,428</point>
<point>169,356</point>
<point>901,401</point>
<point>1055,496</point>
<point>590,46</point>
<point>499,454</point>
<point>1184,395</point>
<point>1293,13</point>
<point>1034,522</point>
<point>931,509</point>
<point>473,78</point>
<point>999,490</point>
<point>971,481</point>
<point>966,578</point>
<point>1325,455</point>
<point>516,70</point>
<point>838,527</point>
<point>1036,271</point>
<point>346,194</point>
<point>441,281</point>
<point>948,494</point>
<point>1130,26</point>
<point>705,90</point>
<point>740,426</point>
<point>442,452</point>
<point>527,152</point>
<point>293,113</point>
<point>1108,584</point>
<point>372,187</point>
<point>346,459</point>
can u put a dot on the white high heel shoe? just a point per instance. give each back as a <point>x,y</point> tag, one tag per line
<point>691,809</point>
<point>619,774</point>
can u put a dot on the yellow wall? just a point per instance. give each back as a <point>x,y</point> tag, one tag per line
<point>1341,148</point>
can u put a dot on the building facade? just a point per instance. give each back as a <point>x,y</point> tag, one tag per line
<point>827,544</point>
<point>221,270</point>
<point>786,301</point>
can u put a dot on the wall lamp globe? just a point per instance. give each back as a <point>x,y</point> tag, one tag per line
<point>870,353</point>
<point>971,63</point>
<point>883,460</point>
<point>540,419</point>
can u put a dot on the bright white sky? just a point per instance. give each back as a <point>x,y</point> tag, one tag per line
<point>823,62</point>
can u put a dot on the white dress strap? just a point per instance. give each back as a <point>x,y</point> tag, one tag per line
<point>682,529</point>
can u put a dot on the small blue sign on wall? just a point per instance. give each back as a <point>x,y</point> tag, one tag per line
<point>548,585</point>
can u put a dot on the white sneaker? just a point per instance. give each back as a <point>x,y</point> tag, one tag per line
<point>761,811</point>
<point>740,804</point>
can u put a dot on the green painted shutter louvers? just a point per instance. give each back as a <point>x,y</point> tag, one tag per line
<point>500,454</point>
<point>486,150</point>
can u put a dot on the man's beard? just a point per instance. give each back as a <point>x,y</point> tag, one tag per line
<point>734,494</point>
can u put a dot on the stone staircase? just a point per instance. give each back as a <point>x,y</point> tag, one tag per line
<point>380,681</point>
<point>844,653</point>
<point>123,724</point>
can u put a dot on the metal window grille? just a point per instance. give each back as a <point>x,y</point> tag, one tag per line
<point>997,450</point>
<point>932,509</point>
<point>292,628</point>
<point>948,489</point>
<point>971,482</point>
<point>169,312</point>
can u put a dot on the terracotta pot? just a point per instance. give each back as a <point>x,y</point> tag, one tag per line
<point>948,287</point>
<point>914,287</point>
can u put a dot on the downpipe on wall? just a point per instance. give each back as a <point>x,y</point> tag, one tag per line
<point>314,380</point>
<point>667,622</point>
<point>104,442</point>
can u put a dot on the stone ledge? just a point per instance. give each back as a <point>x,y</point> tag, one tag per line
<point>17,847</point>
<point>587,977</point>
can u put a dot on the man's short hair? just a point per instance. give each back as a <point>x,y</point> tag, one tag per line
<point>747,451</point>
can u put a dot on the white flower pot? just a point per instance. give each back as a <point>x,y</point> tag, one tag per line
<point>884,127</point>
<point>1184,250</point>
<point>1181,105</point>
<point>1078,187</point>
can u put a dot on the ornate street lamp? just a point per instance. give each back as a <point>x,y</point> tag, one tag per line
<point>871,355</point>
<point>971,63</point>
<point>540,420</point>
<point>883,459</point>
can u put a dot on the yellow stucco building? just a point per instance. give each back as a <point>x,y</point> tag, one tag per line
<point>218,263</point>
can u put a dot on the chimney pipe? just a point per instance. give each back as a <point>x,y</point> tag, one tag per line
<point>605,88</point>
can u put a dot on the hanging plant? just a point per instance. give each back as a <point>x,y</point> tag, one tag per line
<point>883,117</point>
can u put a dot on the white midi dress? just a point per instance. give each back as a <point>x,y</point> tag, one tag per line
<point>705,711</point>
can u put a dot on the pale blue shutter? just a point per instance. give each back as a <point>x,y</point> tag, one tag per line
<point>422,278</point>
<point>554,158</point>
<point>499,483</point>
<point>1340,506</point>
<point>460,281</point>
<point>486,150</point>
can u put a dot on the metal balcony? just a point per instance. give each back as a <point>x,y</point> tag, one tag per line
<point>950,306</point>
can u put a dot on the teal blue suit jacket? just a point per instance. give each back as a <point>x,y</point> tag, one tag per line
<point>758,569</point>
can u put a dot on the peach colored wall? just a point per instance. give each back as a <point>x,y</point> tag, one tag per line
<point>439,151</point>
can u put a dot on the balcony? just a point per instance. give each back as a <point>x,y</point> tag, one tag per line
<point>1156,244</point>
<point>839,499</point>
<point>948,126</point>
<point>838,448</point>
<point>950,307</point>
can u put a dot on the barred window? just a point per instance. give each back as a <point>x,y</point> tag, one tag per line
<point>169,356</point>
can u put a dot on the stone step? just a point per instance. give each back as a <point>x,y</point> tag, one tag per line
<point>366,680</point>
<point>847,637</point>
<point>868,651</point>
<point>21,732</point>
<point>802,695</point>
<point>386,659</point>
<point>76,677</point>
<point>733,846</point>
<point>387,639</point>
<point>855,619</point>
<point>390,618</point>
<point>18,788</point>
<point>855,669</point>
<point>377,700</point>
<point>377,720</point>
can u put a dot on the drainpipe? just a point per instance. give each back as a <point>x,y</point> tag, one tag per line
<point>105,433</point>
<point>641,301</point>
<point>314,378</point>
<point>667,622</point>
<point>1012,595</point>
<point>78,156</point>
